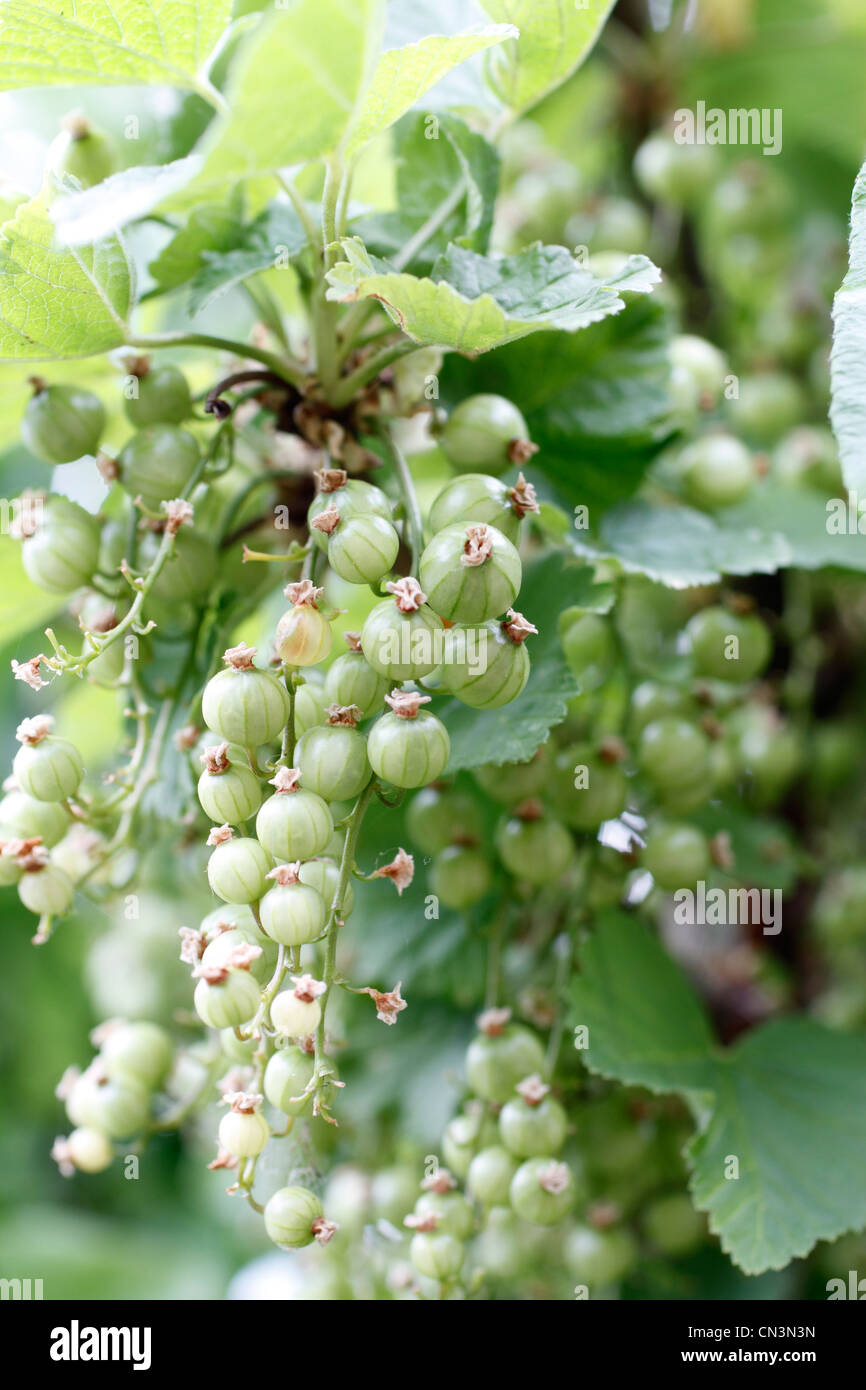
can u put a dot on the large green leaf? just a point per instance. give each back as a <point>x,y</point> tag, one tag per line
<point>59,302</point>
<point>277,234</point>
<point>820,532</point>
<point>848,359</point>
<point>54,43</point>
<point>785,1102</point>
<point>403,75</point>
<point>474,303</point>
<point>555,37</point>
<point>210,227</point>
<point>477,738</point>
<point>91,213</point>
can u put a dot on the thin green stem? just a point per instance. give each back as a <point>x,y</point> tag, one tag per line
<point>410,498</point>
<point>429,228</point>
<point>330,202</point>
<point>349,386</point>
<point>287,370</point>
<point>300,206</point>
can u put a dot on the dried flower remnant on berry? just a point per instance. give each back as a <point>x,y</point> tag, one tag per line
<point>220,835</point>
<point>307,989</point>
<point>285,780</point>
<point>177,513</point>
<point>239,658</point>
<point>243,1102</point>
<point>426,1222</point>
<point>522,497</point>
<point>34,730</point>
<point>330,479</point>
<point>493,1021</point>
<point>61,1153</point>
<point>303,593</point>
<point>187,737</point>
<point>406,703</point>
<point>521,450</point>
<point>323,1230</point>
<point>441,1181</point>
<point>517,628</point>
<point>352,640</point>
<point>28,671</point>
<point>192,945</point>
<point>286,874</point>
<point>327,521</point>
<point>478,547</point>
<point>408,594</point>
<point>533,1089</point>
<point>554,1178</point>
<point>223,1160</point>
<point>349,715</point>
<point>389,1004</point>
<point>216,759</point>
<point>401,870</point>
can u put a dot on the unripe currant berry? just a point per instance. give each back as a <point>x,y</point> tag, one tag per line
<point>137,1051</point>
<point>46,767</point>
<point>351,680</point>
<point>478,497</point>
<point>244,1131</point>
<point>500,1056</point>
<point>324,876</point>
<point>333,759</point>
<point>717,470</point>
<point>437,1255</point>
<point>600,1258</point>
<point>229,791</point>
<point>89,1150</point>
<point>83,151</point>
<point>533,1123</point>
<point>309,707</point>
<point>672,173</point>
<point>728,646</point>
<point>588,787</point>
<point>672,751</point>
<point>303,637</point>
<point>452,1212</point>
<point>293,824</point>
<point>62,423</point>
<point>244,705</point>
<point>294,1218</point>
<point>287,1076</point>
<point>157,463</point>
<point>672,1225</point>
<point>361,549</point>
<point>238,868</point>
<point>408,747</point>
<point>119,1108</point>
<point>676,855</point>
<point>489,1176</point>
<point>402,638</point>
<point>460,876</point>
<point>28,818</point>
<point>487,666</point>
<point>652,700</point>
<point>588,647</point>
<point>295,1013</point>
<point>189,570</point>
<point>10,860</point>
<point>470,573</point>
<point>45,889</point>
<point>225,939</point>
<point>486,434</point>
<point>437,817</point>
<point>704,363</point>
<point>61,545</point>
<point>462,1138</point>
<point>511,783</point>
<point>100,616</point>
<point>768,404</point>
<point>162,398</point>
<point>542,1191</point>
<point>349,496</point>
<point>533,846</point>
<point>292,912</point>
<point>225,997</point>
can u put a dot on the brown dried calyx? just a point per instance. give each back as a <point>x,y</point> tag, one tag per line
<point>612,749</point>
<point>406,703</point>
<point>239,658</point>
<point>521,450</point>
<point>241,958</point>
<point>349,715</point>
<point>408,594</point>
<point>323,1230</point>
<point>286,874</point>
<point>34,730</point>
<point>327,521</point>
<point>352,640</point>
<point>307,989</point>
<point>303,592</point>
<point>31,854</point>
<point>219,835</point>
<point>478,547</point>
<point>531,809</point>
<point>603,1215</point>
<point>429,1221</point>
<point>216,759</point>
<point>242,1102</point>
<point>401,871</point>
<point>554,1178</point>
<point>517,628</point>
<point>77,125</point>
<point>532,1089</point>
<point>441,1181</point>
<point>522,497</point>
<point>330,479</point>
<point>493,1021</point>
<point>285,780</point>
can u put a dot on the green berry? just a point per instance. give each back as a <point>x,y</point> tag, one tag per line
<point>350,497</point>
<point>229,1002</point>
<point>119,1108</point>
<point>245,706</point>
<point>157,463</point>
<point>287,1075</point>
<point>61,551</point>
<point>324,876</point>
<point>672,751</point>
<point>85,154</point>
<point>46,767</point>
<point>470,573</point>
<point>26,817</point>
<point>293,1016</point>
<point>586,790</point>
<point>243,1134</point>
<point>408,747</point>
<point>542,1191</point>
<point>309,707</point>
<point>497,1061</point>
<point>460,876</point>
<point>487,666</point>
<point>303,636</point>
<point>716,471</point>
<point>672,1225</point>
<point>351,680</point>
<point>486,434</point>
<point>436,818</point>
<point>677,856</point>
<point>46,890</point>
<point>189,571</point>
<point>489,1176</point>
<point>406,644</point>
<point>452,1211</point>
<point>294,824</point>
<point>600,1258</point>
<point>767,405</point>
<point>290,1217</point>
<point>478,497</point>
<point>537,849</point>
<point>668,172</point>
<point>728,646</point>
<point>510,783</point>
<point>530,1130</point>
<point>62,423</point>
<point>162,398</point>
<point>362,549</point>
<point>292,912</point>
<point>229,791</point>
<point>243,932</point>
<point>436,1254</point>
<point>588,646</point>
<point>89,1150</point>
<point>237,870</point>
<point>140,1051</point>
<point>652,700</point>
<point>462,1138</point>
<point>333,762</point>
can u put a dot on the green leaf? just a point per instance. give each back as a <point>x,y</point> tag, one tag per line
<point>209,228</point>
<point>596,402</point>
<point>93,42</point>
<point>428,171</point>
<point>555,37</point>
<point>763,851</point>
<point>273,238</point>
<point>476,738</point>
<point>786,1101</point>
<point>91,213</point>
<point>819,532</point>
<point>848,358</point>
<point>403,75</point>
<point>294,88</point>
<point>681,547</point>
<point>59,302</point>
<point>474,303</point>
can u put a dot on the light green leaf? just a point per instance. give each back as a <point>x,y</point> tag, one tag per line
<point>211,227</point>
<point>549,585</point>
<point>91,213</point>
<point>848,358</point>
<point>276,234</point>
<point>555,37</point>
<point>59,302</point>
<point>403,75</point>
<point>820,532</point>
<point>295,88</point>
<point>96,42</point>
<point>786,1101</point>
<point>474,303</point>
